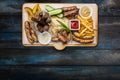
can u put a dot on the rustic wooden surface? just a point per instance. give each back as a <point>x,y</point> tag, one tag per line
<point>45,63</point>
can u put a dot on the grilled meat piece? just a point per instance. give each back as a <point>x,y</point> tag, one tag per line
<point>62,38</point>
<point>72,12</point>
<point>69,8</point>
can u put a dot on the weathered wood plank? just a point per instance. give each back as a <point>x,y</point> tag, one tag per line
<point>106,7</point>
<point>108,39</point>
<point>13,23</point>
<point>47,63</point>
<point>10,32</point>
<point>49,56</point>
<point>56,64</point>
<point>60,73</point>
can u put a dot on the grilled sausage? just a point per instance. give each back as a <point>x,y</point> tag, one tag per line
<point>30,33</point>
<point>82,40</point>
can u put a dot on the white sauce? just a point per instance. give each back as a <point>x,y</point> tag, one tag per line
<point>44,38</point>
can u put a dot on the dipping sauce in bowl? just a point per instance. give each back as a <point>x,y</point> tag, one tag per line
<point>74,24</point>
<point>44,38</point>
<point>85,12</point>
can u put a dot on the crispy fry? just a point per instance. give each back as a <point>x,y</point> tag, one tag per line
<point>90,19</point>
<point>86,32</point>
<point>85,23</point>
<point>83,31</point>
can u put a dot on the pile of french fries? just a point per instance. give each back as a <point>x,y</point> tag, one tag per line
<point>86,32</point>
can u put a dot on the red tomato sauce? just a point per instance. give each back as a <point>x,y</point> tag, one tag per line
<point>74,25</point>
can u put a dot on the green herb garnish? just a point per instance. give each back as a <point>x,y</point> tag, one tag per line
<point>65,26</point>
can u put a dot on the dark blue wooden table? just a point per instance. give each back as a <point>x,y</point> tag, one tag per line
<point>45,63</point>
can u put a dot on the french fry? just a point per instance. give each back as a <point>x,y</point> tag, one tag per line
<point>89,32</point>
<point>85,23</point>
<point>86,32</point>
<point>83,31</point>
<point>90,20</point>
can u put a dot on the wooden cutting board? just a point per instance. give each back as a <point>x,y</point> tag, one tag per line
<point>59,5</point>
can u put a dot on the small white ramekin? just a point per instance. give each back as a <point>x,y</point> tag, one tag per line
<point>90,11</point>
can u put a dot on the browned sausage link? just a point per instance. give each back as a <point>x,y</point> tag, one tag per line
<point>82,40</point>
<point>30,40</point>
<point>33,35</point>
<point>86,41</point>
<point>69,8</point>
<point>68,13</point>
<point>27,24</point>
<point>27,29</point>
<point>30,33</point>
<point>88,37</point>
<point>76,39</point>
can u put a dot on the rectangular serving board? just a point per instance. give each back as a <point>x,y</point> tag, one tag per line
<point>59,5</point>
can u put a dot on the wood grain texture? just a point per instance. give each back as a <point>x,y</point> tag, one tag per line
<point>10,31</point>
<point>14,7</point>
<point>52,57</point>
<point>10,39</point>
<point>74,63</point>
<point>60,73</point>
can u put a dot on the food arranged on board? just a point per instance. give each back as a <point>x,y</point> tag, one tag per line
<point>66,25</point>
